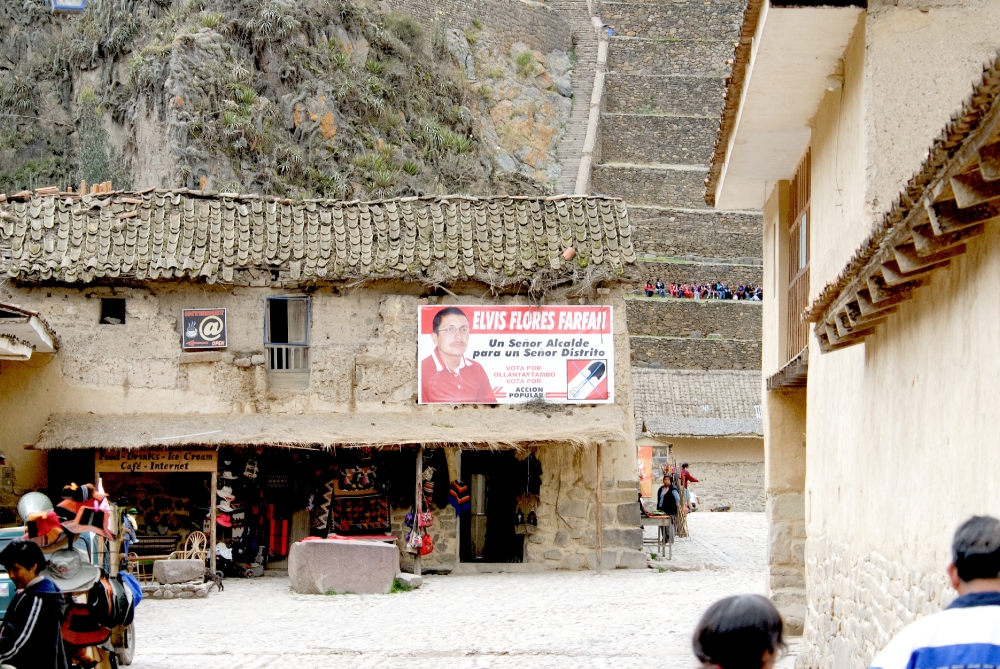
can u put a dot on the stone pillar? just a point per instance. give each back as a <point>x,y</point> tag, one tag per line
<point>784,486</point>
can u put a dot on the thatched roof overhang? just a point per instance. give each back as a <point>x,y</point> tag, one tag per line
<point>946,203</point>
<point>501,427</point>
<point>250,240</point>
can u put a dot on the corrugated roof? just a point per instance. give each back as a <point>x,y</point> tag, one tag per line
<point>241,239</point>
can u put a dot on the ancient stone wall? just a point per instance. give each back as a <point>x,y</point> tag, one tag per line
<point>652,186</point>
<point>509,21</point>
<point>740,485</point>
<point>730,319</point>
<point>669,19</point>
<point>635,55</point>
<point>858,602</point>
<point>695,353</point>
<point>697,272</point>
<point>695,96</point>
<point>649,138</point>
<point>704,234</point>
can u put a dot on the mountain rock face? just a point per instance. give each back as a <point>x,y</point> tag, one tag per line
<point>304,98</point>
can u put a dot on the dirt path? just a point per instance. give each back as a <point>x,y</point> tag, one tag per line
<point>627,618</point>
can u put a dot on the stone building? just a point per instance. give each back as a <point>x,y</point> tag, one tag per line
<point>318,360</point>
<point>853,126</point>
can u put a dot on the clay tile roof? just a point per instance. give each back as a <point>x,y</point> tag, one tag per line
<point>242,239</point>
<point>696,403</point>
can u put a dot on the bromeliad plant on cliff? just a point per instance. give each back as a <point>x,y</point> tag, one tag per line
<point>296,98</point>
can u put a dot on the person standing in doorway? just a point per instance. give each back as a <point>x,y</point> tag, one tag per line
<point>967,633</point>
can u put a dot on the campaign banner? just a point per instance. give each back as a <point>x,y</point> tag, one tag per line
<point>476,354</point>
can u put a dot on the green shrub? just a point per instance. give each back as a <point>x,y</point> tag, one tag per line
<point>212,20</point>
<point>526,63</point>
<point>399,586</point>
<point>375,67</point>
<point>411,167</point>
<point>471,37</point>
<point>406,29</point>
<point>478,24</point>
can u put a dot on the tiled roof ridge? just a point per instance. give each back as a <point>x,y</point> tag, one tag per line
<point>962,126</point>
<point>163,234</point>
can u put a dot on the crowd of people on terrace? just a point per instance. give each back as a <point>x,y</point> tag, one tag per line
<point>704,291</point>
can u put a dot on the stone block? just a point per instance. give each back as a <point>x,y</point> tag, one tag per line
<point>363,567</point>
<point>552,555</point>
<point>561,538</point>
<point>786,577</point>
<point>623,538</point>
<point>573,509</point>
<point>609,560</point>
<point>178,571</point>
<point>186,594</point>
<point>242,362</point>
<point>630,559</point>
<point>628,514</point>
<point>257,359</point>
<point>789,597</point>
<point>200,356</point>
<point>786,507</point>
<point>573,562</point>
<point>779,550</point>
<point>410,580</point>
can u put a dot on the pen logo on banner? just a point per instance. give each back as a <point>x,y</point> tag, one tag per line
<point>211,328</point>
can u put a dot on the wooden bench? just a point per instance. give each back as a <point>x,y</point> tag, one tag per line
<point>150,549</point>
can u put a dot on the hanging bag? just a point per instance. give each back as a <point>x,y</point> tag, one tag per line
<point>427,545</point>
<point>413,542</point>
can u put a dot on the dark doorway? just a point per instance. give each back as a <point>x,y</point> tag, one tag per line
<point>488,532</point>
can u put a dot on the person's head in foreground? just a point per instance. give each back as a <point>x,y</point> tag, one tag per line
<point>739,632</point>
<point>975,556</point>
<point>23,561</point>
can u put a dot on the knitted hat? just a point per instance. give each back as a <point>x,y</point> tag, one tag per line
<point>459,497</point>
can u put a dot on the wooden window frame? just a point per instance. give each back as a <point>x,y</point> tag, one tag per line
<point>799,256</point>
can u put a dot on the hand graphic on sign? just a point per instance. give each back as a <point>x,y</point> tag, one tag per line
<point>211,328</point>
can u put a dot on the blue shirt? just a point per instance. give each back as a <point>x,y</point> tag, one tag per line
<point>966,635</point>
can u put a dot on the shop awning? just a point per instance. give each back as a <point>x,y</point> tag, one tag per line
<point>470,427</point>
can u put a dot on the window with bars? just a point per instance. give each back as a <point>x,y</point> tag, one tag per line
<point>286,334</point>
<point>798,257</point>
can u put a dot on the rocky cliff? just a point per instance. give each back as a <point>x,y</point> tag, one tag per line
<point>331,98</point>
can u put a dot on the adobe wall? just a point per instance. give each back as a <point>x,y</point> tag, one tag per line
<point>509,21</point>
<point>876,549</point>
<point>681,317</point>
<point>363,359</point>
<point>730,471</point>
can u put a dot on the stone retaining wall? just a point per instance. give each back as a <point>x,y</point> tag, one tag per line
<point>672,94</point>
<point>688,272</point>
<point>858,602</point>
<point>738,484</point>
<point>681,317</point>
<point>668,18</point>
<point>509,21</point>
<point>691,353</point>
<point>652,185</point>
<point>648,138</point>
<point>635,55</point>
<point>705,233</point>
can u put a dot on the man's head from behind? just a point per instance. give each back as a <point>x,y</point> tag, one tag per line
<point>975,556</point>
<point>23,561</point>
<point>451,331</point>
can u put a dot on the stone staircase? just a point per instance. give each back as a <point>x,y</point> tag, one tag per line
<point>570,149</point>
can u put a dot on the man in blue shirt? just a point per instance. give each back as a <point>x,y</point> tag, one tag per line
<point>967,633</point>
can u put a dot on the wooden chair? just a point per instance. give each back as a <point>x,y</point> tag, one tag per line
<point>195,548</point>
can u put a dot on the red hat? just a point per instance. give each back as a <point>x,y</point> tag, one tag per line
<point>224,520</point>
<point>43,527</point>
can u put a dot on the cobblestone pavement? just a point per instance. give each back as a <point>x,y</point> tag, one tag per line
<point>626,618</point>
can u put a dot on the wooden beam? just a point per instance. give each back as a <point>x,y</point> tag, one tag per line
<point>927,243</point>
<point>910,261</point>
<point>947,216</point>
<point>858,317</point>
<point>880,292</point>
<point>600,509</point>
<point>869,308</point>
<point>835,339</point>
<point>989,162</point>
<point>972,189</point>
<point>894,276</point>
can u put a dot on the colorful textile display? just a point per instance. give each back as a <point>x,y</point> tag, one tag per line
<point>360,514</point>
<point>459,497</point>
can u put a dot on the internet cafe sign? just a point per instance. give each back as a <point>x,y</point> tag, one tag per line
<point>204,328</point>
<point>154,461</point>
<point>476,354</point>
